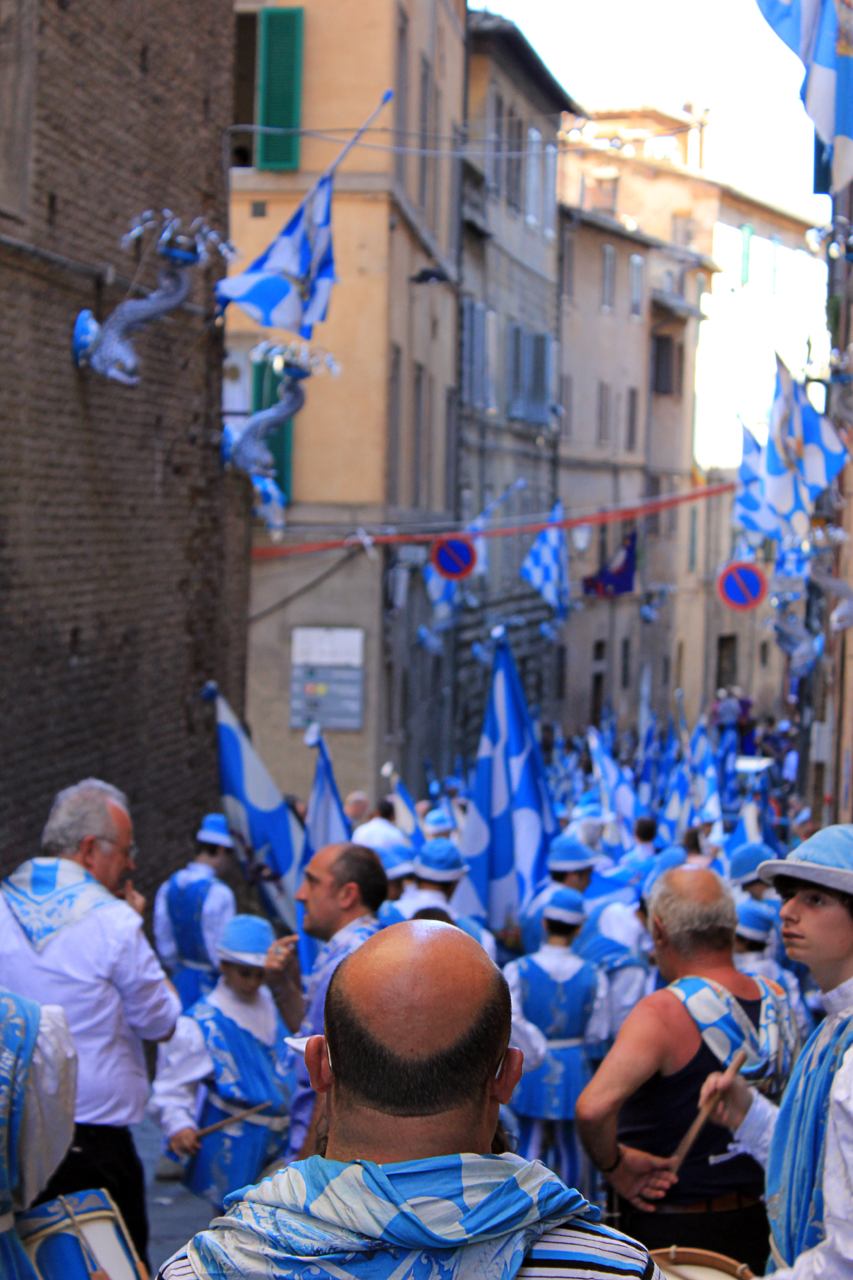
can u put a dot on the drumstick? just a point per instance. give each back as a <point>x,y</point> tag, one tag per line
<point>223,1124</point>
<point>701,1119</point>
<point>95,1273</point>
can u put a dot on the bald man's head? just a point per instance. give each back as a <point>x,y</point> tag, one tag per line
<point>417,1020</point>
<point>695,909</point>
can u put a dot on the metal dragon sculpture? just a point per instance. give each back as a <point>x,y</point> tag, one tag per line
<point>108,348</point>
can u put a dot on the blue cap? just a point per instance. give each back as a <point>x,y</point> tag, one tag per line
<point>567,853</point>
<point>246,940</point>
<point>397,861</point>
<point>560,810</point>
<point>659,841</point>
<point>666,861</point>
<point>439,860</point>
<point>437,822</point>
<point>825,858</point>
<point>746,859</point>
<point>566,905</point>
<point>755,921</point>
<point>214,830</point>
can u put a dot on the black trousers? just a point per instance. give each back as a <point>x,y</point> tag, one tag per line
<point>103,1155</point>
<point>742,1234</point>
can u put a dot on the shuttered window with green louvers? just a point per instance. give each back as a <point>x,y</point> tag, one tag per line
<point>265,384</point>
<point>279,86</point>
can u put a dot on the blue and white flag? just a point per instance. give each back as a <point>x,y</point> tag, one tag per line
<point>325,821</point>
<point>405,815</point>
<point>618,797</point>
<point>751,510</point>
<point>726,761</point>
<point>546,565</point>
<point>270,504</point>
<point>289,285</point>
<point>256,810</point>
<point>510,820</point>
<point>820,33</point>
<point>673,818</point>
<point>804,453</point>
<point>648,769</point>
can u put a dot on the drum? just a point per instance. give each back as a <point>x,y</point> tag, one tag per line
<point>680,1263</point>
<point>53,1246</point>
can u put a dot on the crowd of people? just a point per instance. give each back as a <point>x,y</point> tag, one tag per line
<point>397,1087</point>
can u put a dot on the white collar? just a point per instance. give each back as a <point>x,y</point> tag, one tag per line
<point>257,1016</point>
<point>347,928</point>
<point>201,869</point>
<point>839,1001</point>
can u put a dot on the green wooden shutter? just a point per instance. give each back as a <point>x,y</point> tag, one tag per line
<point>265,384</point>
<point>279,86</point>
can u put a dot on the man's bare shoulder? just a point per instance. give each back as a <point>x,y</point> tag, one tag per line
<point>659,1012</point>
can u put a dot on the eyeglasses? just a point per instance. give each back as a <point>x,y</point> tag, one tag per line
<point>131,851</point>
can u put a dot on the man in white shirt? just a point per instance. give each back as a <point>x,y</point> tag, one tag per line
<point>380,833</point>
<point>191,910</point>
<point>71,934</point>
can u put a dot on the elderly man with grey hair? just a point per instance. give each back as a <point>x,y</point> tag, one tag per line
<point>71,935</point>
<point>644,1097</point>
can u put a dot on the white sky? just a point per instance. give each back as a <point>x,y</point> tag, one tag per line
<point>724,56</point>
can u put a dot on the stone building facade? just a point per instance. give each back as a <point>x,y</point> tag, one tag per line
<point>123,544</point>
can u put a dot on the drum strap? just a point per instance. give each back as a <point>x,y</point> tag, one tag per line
<point>7,1222</point>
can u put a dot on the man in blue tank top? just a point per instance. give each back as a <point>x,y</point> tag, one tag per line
<point>644,1097</point>
<point>806,1145</point>
<point>191,910</point>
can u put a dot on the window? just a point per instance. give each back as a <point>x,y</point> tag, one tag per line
<point>568,271</point>
<point>599,648</point>
<point>514,135</point>
<point>265,384</point>
<point>245,71</point>
<point>602,548</point>
<point>422,436</point>
<point>453,223</point>
<point>664,675</point>
<point>764,653</point>
<point>279,86</point>
<point>701,287</point>
<point>608,275</point>
<point>423,132</point>
<point>653,518</point>
<point>631,423</point>
<point>679,664</point>
<point>494,148</point>
<point>566,405</point>
<point>395,389</point>
<point>533,195</point>
<point>678,369</point>
<point>636,275</point>
<point>726,660</point>
<point>538,397</point>
<point>668,282</point>
<point>602,436</point>
<point>549,198</point>
<point>515,378</point>
<point>491,363</point>
<point>562,661</point>
<point>401,97</point>
<point>746,234</point>
<point>682,229</point>
<point>662,360</point>
<point>693,535</point>
<point>258,209</point>
<point>625,663</point>
<point>450,448</point>
<point>473,354</point>
<point>598,195</point>
<point>597,705</point>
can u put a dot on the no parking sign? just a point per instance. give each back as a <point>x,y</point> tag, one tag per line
<point>454,556</point>
<point>741,585</point>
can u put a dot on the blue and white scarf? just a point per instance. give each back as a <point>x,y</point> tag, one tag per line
<point>459,1217</point>
<point>46,895</point>
<point>725,1028</point>
<point>19,1024</point>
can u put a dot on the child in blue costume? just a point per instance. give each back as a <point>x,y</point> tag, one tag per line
<point>806,1144</point>
<point>228,1054</point>
<point>191,910</point>
<point>570,863</point>
<point>567,999</point>
<point>398,865</point>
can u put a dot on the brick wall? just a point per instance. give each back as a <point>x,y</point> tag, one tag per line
<point>123,545</point>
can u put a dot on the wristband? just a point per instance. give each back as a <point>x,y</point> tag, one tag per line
<point>616,1163</point>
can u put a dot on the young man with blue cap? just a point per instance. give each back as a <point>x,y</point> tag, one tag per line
<point>806,1144</point>
<point>754,935</point>
<point>438,868</point>
<point>567,999</point>
<point>398,864</point>
<point>570,864</point>
<point>191,910</point>
<point>439,824</point>
<point>228,1054</point>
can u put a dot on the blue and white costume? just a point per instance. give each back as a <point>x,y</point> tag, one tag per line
<point>191,910</point>
<point>455,1217</point>
<point>567,999</point>
<point>345,941</point>
<point>806,1144</point>
<point>439,862</point>
<point>228,1054</point>
<point>397,861</point>
<point>757,922</point>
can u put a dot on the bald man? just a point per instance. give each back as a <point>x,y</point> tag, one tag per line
<point>636,1109</point>
<point>415,1066</point>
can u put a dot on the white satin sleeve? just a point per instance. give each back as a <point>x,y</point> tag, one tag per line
<point>627,987</point>
<point>47,1118</point>
<point>598,1028</point>
<point>524,1035</point>
<point>755,1135</point>
<point>182,1064</point>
